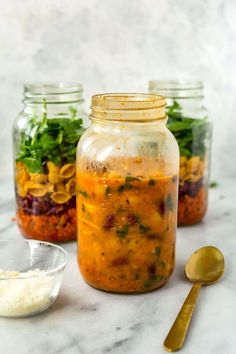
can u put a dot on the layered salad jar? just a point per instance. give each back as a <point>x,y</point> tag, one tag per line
<point>189,122</point>
<point>45,135</point>
<point>127,190</point>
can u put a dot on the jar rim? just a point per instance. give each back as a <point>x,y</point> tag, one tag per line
<point>52,92</point>
<point>176,84</point>
<point>128,106</point>
<point>177,88</point>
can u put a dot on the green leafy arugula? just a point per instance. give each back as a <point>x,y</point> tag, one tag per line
<point>53,139</point>
<point>191,134</point>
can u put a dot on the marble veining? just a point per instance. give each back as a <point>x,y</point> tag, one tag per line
<point>84,320</point>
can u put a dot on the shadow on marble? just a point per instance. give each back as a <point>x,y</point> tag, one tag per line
<point>63,301</point>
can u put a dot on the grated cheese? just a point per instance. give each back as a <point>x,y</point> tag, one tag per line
<point>27,295</point>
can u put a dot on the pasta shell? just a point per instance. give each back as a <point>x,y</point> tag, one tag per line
<point>71,187</point>
<point>201,168</point>
<point>22,178</point>
<point>21,191</point>
<point>38,177</point>
<point>60,197</point>
<point>54,177</point>
<point>183,160</point>
<point>52,167</point>
<point>67,170</point>
<point>50,187</point>
<point>182,172</point>
<point>192,177</point>
<point>20,165</point>
<point>60,187</point>
<point>192,164</point>
<point>35,189</point>
<point>21,174</point>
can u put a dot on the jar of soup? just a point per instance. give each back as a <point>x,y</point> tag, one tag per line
<point>189,122</point>
<point>46,134</point>
<point>127,188</point>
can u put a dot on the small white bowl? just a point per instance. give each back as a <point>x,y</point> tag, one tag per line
<point>30,276</point>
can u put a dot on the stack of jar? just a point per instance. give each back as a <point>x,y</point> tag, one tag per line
<point>126,185</point>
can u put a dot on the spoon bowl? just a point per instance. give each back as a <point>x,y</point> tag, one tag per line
<point>204,267</point>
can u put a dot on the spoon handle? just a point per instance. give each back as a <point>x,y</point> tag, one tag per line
<point>176,336</point>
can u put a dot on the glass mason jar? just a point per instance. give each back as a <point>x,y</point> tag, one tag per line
<point>190,124</point>
<point>45,135</point>
<point>127,189</point>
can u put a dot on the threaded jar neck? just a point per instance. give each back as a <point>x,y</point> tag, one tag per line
<point>52,92</point>
<point>177,88</point>
<point>128,107</point>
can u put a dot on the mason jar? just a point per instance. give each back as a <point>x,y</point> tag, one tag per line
<point>45,136</point>
<point>127,189</point>
<point>188,120</point>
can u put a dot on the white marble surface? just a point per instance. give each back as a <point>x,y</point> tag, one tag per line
<point>118,45</point>
<point>87,321</point>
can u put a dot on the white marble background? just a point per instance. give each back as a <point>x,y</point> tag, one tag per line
<point>118,45</point>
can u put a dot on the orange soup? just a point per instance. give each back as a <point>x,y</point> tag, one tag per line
<point>126,230</point>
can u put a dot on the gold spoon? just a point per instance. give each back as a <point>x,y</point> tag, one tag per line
<point>204,267</point>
